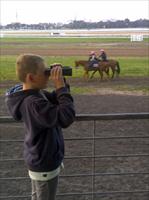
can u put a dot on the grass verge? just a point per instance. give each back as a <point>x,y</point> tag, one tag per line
<point>130,66</point>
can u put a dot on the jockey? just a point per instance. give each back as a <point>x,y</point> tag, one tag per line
<point>103,55</point>
<point>92,59</point>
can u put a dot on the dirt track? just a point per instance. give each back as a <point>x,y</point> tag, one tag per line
<point>77,49</point>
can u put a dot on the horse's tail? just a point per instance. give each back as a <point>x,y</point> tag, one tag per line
<point>118,67</point>
<point>76,64</point>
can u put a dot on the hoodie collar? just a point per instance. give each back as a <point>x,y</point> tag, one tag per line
<point>14,99</point>
<point>16,88</point>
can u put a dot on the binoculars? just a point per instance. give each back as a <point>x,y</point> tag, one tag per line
<point>66,70</point>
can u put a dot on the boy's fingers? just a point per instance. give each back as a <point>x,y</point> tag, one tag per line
<point>56,76</point>
<point>56,72</point>
<point>53,71</point>
<point>60,70</point>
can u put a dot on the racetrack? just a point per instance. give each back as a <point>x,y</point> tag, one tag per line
<point>76,49</point>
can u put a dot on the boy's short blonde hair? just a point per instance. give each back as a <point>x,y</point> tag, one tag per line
<point>27,63</point>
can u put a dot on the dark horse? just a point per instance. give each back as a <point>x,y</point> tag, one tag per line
<point>103,66</point>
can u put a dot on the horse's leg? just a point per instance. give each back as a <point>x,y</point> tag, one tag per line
<point>113,72</point>
<point>93,74</point>
<point>107,72</point>
<point>86,75</point>
<point>117,74</point>
<point>101,74</point>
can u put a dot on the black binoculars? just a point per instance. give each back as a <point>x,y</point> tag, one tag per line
<point>66,70</point>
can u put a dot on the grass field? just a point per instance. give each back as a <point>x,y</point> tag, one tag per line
<point>130,66</point>
<point>64,40</point>
<point>69,40</point>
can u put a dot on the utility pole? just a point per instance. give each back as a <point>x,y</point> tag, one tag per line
<point>16,16</point>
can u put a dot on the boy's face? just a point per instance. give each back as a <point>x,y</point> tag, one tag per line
<point>40,80</point>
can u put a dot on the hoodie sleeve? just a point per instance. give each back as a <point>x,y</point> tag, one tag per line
<point>66,116</point>
<point>52,96</point>
<point>47,114</point>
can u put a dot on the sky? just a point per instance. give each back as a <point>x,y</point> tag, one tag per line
<point>50,11</point>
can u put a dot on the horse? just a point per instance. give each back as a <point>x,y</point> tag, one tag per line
<point>85,65</point>
<point>114,65</point>
<point>110,64</point>
<point>103,66</point>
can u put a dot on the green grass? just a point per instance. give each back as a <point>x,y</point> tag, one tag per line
<point>7,68</point>
<point>134,66</point>
<point>130,66</point>
<point>67,40</point>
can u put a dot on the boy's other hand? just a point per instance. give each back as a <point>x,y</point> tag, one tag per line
<point>57,77</point>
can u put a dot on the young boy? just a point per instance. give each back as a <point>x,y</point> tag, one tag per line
<point>43,114</point>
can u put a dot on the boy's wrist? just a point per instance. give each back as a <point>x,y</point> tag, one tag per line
<point>62,89</point>
<point>58,86</point>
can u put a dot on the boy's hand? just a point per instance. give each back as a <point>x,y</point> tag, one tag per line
<point>57,77</point>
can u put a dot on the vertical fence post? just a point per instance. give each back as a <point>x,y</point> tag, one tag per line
<point>93,161</point>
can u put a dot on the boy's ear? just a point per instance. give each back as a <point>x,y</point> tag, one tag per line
<point>30,77</point>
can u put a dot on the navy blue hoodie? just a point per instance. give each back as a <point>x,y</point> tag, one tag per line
<point>43,114</point>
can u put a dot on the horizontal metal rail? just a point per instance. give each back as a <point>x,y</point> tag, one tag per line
<point>83,194</point>
<point>91,138</point>
<point>112,116</point>
<point>94,117</point>
<point>84,175</point>
<point>82,157</point>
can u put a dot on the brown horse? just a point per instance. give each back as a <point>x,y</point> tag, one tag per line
<point>103,66</point>
<point>85,65</point>
<point>113,65</point>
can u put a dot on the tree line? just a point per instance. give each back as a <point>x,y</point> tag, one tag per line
<point>80,24</point>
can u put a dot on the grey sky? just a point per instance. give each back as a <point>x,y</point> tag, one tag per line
<point>35,11</point>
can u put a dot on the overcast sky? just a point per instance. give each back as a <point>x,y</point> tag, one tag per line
<point>35,11</point>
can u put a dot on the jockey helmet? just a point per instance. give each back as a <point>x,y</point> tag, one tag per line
<point>102,50</point>
<point>92,53</point>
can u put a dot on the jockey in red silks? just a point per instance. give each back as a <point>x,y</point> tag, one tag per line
<point>92,59</point>
<point>103,55</point>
